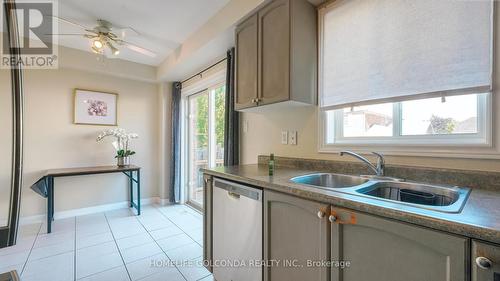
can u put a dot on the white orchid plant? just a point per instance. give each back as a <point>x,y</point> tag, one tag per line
<point>121,144</point>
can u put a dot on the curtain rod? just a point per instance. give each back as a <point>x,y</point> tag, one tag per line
<point>201,72</point>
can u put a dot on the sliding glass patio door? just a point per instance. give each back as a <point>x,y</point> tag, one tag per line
<point>205,137</point>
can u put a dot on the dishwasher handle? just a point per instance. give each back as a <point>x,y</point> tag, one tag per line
<point>234,195</point>
<point>237,190</point>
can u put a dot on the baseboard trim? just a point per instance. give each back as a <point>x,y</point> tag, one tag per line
<point>88,210</point>
<point>164,202</point>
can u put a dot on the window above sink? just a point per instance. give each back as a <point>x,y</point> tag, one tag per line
<point>457,120</point>
<point>423,93</point>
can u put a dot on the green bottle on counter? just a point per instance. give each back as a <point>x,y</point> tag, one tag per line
<point>271,164</point>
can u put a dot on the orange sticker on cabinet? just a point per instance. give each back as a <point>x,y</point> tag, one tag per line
<point>345,217</point>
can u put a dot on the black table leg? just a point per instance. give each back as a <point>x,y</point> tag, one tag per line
<point>50,203</point>
<point>137,180</point>
<point>131,186</point>
<point>138,174</point>
<point>53,198</point>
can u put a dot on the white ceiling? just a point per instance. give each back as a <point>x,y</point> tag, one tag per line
<point>163,25</point>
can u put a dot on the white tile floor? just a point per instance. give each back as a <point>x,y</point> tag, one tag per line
<point>115,245</point>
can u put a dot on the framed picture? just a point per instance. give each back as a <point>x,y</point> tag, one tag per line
<point>95,108</point>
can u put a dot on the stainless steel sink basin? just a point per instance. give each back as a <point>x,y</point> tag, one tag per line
<point>440,198</point>
<point>327,180</point>
<point>433,197</point>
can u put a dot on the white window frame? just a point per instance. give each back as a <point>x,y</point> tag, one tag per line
<point>449,145</point>
<point>482,145</point>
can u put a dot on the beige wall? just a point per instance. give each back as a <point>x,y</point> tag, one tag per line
<point>264,136</point>
<point>52,141</point>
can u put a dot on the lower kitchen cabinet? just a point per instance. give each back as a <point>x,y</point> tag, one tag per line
<point>295,231</point>
<point>485,262</point>
<point>380,249</point>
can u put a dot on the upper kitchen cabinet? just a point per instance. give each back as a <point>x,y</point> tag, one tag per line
<point>246,67</point>
<point>276,55</point>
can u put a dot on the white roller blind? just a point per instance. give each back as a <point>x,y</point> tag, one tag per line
<point>389,50</point>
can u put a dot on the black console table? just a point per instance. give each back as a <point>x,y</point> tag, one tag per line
<point>45,185</point>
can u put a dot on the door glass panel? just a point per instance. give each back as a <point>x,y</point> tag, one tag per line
<point>5,145</point>
<point>206,138</point>
<point>198,145</point>
<point>220,110</point>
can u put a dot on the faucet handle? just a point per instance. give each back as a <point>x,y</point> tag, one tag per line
<point>380,163</point>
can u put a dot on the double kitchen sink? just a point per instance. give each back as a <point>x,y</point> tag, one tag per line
<point>448,199</point>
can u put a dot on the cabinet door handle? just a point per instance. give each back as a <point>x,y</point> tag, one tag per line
<point>321,214</point>
<point>332,218</point>
<point>483,262</point>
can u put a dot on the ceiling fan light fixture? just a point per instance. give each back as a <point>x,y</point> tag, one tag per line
<point>97,44</point>
<point>95,50</point>
<point>113,49</point>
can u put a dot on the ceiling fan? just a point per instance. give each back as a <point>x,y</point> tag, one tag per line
<point>104,36</point>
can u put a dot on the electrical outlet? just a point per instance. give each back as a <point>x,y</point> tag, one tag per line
<point>293,137</point>
<point>284,137</point>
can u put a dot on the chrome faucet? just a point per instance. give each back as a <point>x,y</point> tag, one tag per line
<point>379,169</point>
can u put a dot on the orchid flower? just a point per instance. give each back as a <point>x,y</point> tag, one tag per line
<point>121,144</point>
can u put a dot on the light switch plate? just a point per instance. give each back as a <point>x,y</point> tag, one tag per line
<point>293,137</point>
<point>284,137</point>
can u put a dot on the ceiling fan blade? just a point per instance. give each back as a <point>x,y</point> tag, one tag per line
<point>70,22</point>
<point>140,50</point>
<point>137,49</point>
<point>65,34</point>
<point>126,32</point>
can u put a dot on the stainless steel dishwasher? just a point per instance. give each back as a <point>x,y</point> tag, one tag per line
<point>237,232</point>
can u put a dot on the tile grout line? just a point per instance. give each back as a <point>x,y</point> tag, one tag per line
<point>201,213</point>
<point>156,242</point>
<point>181,227</point>
<point>31,249</point>
<point>197,211</point>
<point>184,233</point>
<point>118,248</point>
<point>95,273</point>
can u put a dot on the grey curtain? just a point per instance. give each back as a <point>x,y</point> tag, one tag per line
<point>175,164</point>
<point>231,126</point>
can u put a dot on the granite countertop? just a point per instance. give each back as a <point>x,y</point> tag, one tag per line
<point>479,219</point>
